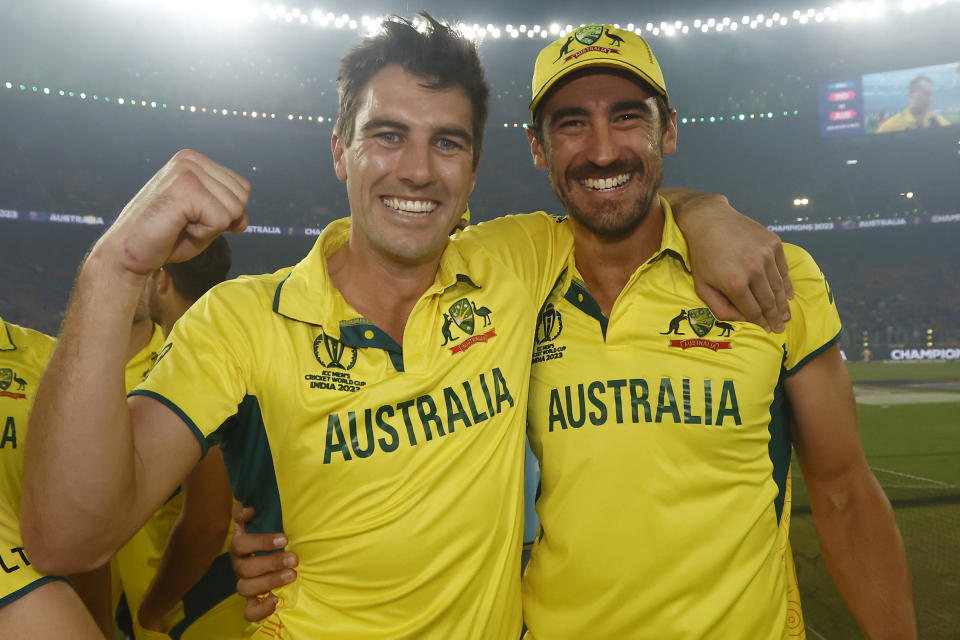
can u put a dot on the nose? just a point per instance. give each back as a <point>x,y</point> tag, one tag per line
<point>416,163</point>
<point>603,148</point>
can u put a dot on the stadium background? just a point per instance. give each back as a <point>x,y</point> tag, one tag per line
<point>96,96</point>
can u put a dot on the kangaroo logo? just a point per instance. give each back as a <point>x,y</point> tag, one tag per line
<point>615,40</point>
<point>334,353</point>
<point>675,324</point>
<point>549,324</point>
<point>565,49</point>
<point>725,328</point>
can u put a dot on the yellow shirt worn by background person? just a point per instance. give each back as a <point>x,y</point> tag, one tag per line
<point>906,120</point>
<point>394,470</point>
<point>24,354</point>
<point>664,449</point>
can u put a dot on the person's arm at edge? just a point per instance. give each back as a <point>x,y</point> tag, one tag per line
<point>257,575</point>
<point>194,542</point>
<point>96,466</point>
<point>861,544</point>
<point>739,267</point>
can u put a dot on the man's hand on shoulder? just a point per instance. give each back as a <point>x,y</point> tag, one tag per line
<point>739,268</point>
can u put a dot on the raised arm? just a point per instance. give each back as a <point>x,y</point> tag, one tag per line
<point>861,544</point>
<point>95,467</point>
<point>195,540</point>
<point>739,267</point>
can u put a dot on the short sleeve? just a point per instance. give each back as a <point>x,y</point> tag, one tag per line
<point>814,324</point>
<point>201,372</point>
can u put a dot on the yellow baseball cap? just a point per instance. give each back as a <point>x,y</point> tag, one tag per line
<point>598,45</point>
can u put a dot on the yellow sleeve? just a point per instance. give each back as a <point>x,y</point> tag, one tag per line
<point>533,246</point>
<point>203,370</point>
<point>814,322</point>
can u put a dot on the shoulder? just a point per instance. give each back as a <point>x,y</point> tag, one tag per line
<point>32,346</point>
<point>534,226</point>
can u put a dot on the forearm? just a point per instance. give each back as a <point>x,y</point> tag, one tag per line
<point>193,545</point>
<point>679,197</point>
<point>93,587</point>
<point>864,554</point>
<point>79,457</point>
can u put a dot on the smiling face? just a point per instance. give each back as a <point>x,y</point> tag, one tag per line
<point>603,145</point>
<point>409,167</point>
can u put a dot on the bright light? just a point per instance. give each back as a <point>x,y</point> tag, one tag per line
<point>554,28</point>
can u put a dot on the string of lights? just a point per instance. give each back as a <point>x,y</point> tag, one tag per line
<point>301,118</point>
<point>233,11</point>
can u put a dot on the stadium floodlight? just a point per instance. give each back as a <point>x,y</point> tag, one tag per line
<point>46,90</point>
<point>554,28</point>
<point>120,101</point>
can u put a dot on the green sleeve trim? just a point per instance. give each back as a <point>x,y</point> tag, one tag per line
<point>834,340</point>
<point>22,591</point>
<point>177,410</point>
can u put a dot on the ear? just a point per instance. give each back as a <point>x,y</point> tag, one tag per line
<point>162,282</point>
<point>536,150</point>
<point>668,144</point>
<point>339,166</point>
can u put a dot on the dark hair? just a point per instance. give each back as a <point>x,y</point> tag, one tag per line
<point>663,107</point>
<point>193,278</point>
<point>920,78</point>
<point>439,55</point>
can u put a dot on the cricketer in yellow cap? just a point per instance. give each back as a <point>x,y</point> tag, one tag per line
<point>663,434</point>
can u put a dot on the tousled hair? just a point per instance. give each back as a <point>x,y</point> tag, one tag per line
<point>439,55</point>
<point>194,277</point>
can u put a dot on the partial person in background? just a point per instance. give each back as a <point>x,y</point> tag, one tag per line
<point>176,576</point>
<point>917,114</point>
<point>32,605</point>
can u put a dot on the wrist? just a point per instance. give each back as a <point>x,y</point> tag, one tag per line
<point>104,265</point>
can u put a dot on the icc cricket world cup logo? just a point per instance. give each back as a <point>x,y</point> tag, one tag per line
<point>332,353</point>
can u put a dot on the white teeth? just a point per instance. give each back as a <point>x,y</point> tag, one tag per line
<point>606,184</point>
<point>410,206</point>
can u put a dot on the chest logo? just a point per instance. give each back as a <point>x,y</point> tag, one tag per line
<point>332,353</point>
<point>701,321</point>
<point>549,328</point>
<point>464,314</point>
<point>8,378</point>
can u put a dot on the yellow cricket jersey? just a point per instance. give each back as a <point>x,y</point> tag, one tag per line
<point>905,120</point>
<point>394,469</point>
<point>137,562</point>
<point>24,354</point>
<point>664,450</point>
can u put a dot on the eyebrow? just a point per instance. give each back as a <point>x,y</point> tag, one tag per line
<point>448,131</point>
<point>618,107</point>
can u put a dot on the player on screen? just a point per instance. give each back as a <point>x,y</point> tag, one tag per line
<point>916,115</point>
<point>370,401</point>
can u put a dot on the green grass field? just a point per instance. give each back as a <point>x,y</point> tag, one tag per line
<point>910,427</point>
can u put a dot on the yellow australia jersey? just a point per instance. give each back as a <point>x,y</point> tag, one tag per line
<point>24,354</point>
<point>664,449</point>
<point>905,120</point>
<point>394,469</point>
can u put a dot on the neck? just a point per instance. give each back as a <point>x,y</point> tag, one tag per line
<point>607,264</point>
<point>172,314</point>
<point>140,336</point>
<point>382,290</point>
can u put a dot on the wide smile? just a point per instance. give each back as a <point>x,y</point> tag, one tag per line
<point>606,185</point>
<point>410,208</point>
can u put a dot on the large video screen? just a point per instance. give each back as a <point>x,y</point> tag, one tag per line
<point>903,100</point>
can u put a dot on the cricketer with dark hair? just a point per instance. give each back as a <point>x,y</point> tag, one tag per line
<point>370,400</point>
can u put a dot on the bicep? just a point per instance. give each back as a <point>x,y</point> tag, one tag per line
<point>824,427</point>
<point>165,452</point>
